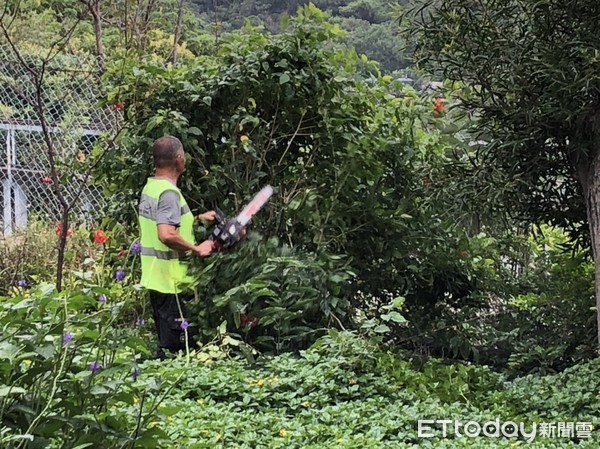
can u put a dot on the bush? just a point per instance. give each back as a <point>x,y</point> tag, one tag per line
<point>29,254</point>
<point>344,392</point>
<point>277,298</point>
<point>66,370</point>
<point>532,310</point>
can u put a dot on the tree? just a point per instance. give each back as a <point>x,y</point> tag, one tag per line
<point>93,7</point>
<point>379,41</point>
<point>345,155</point>
<point>530,71</point>
<point>43,97</point>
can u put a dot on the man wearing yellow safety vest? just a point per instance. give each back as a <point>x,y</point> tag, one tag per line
<point>167,238</point>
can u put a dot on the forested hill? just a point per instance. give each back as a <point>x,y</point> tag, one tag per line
<point>372,29</point>
<point>371,25</point>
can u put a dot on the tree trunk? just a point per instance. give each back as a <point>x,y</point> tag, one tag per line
<point>589,176</point>
<point>97,16</point>
<point>93,7</point>
<point>177,31</point>
<point>62,244</point>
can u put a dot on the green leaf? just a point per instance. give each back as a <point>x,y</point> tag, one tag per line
<point>149,437</point>
<point>169,410</point>
<point>8,351</point>
<point>394,316</point>
<point>99,390</point>
<point>46,351</point>
<point>46,290</point>
<point>6,390</point>
<point>381,329</point>
<point>24,304</point>
<point>284,78</point>
<point>398,302</point>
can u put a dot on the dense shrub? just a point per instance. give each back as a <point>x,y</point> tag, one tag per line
<point>67,369</point>
<point>278,298</point>
<point>29,254</point>
<point>344,392</point>
<point>532,312</point>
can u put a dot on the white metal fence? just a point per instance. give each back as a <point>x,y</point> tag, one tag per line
<point>76,122</point>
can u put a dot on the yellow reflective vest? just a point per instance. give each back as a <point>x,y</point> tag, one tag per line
<point>162,267</point>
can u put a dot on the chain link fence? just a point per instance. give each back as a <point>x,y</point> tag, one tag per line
<point>70,95</point>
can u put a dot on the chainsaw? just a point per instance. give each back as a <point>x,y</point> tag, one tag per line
<point>228,232</point>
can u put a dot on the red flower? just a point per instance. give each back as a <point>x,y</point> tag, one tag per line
<point>438,108</point>
<point>47,180</point>
<point>100,237</point>
<point>119,106</point>
<point>59,230</point>
<point>248,321</point>
<point>122,253</point>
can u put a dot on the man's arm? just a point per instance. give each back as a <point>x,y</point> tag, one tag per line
<point>169,236</point>
<point>168,220</point>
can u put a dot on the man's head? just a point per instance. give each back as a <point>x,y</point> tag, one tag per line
<point>168,154</point>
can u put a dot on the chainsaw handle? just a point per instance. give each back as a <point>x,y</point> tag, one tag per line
<point>219,216</point>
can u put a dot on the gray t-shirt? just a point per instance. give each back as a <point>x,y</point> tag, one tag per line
<point>169,209</point>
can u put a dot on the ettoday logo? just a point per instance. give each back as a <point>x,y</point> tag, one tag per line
<point>429,428</point>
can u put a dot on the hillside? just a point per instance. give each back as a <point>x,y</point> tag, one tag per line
<point>369,23</point>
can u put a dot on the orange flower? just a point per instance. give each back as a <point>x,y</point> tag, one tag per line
<point>47,180</point>
<point>100,237</point>
<point>438,108</point>
<point>119,106</point>
<point>59,230</point>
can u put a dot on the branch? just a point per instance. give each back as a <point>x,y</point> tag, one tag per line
<point>83,183</point>
<point>147,16</point>
<point>292,139</point>
<point>60,46</point>
<point>17,7</point>
<point>173,55</point>
<point>24,64</point>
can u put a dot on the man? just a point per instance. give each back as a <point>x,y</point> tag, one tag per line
<point>166,236</point>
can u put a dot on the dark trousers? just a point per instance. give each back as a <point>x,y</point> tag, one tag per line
<point>167,320</point>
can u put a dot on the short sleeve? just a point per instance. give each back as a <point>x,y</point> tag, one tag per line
<point>169,209</point>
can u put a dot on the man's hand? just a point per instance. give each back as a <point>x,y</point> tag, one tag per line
<point>204,249</point>
<point>208,217</point>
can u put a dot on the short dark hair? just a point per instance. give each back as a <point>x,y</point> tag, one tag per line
<point>165,151</point>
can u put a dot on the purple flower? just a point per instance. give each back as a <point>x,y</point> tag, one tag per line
<point>22,283</point>
<point>140,322</point>
<point>120,275</point>
<point>102,299</point>
<point>135,373</point>
<point>185,324</point>
<point>95,367</point>
<point>136,248</point>
<point>67,337</point>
